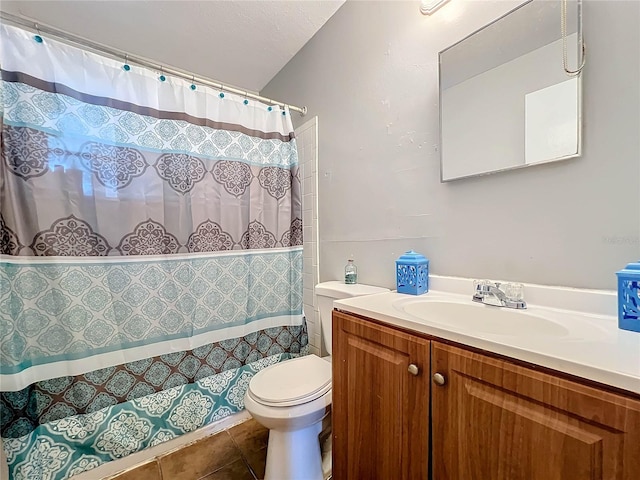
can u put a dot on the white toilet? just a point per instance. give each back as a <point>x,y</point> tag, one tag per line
<point>291,398</point>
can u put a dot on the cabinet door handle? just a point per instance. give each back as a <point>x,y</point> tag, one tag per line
<point>439,379</point>
<point>413,369</point>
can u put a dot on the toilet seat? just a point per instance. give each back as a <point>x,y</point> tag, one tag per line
<point>292,382</point>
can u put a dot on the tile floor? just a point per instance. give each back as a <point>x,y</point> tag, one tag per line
<point>238,453</point>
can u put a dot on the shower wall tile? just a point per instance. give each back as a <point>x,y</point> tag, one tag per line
<point>307,232</point>
<point>314,252</point>
<point>307,220</point>
<point>307,141</point>
<point>307,200</point>
<point>310,169</point>
<point>308,184</point>
<point>311,327</point>
<point>308,279</point>
<point>307,264</point>
<point>307,298</point>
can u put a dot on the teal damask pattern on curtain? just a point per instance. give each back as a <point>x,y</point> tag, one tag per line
<point>66,311</point>
<point>56,398</point>
<point>74,444</point>
<point>150,245</point>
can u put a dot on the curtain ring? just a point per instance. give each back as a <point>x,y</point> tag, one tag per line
<point>126,67</point>
<point>246,100</point>
<point>193,82</point>
<point>38,37</point>
<point>162,78</point>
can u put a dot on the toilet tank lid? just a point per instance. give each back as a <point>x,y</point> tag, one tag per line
<point>336,289</point>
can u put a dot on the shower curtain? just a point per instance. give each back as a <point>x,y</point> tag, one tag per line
<point>150,254</point>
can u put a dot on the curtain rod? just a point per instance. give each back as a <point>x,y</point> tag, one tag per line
<point>118,54</point>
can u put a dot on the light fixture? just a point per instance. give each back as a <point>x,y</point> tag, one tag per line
<point>428,7</point>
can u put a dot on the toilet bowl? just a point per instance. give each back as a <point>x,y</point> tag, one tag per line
<point>291,398</point>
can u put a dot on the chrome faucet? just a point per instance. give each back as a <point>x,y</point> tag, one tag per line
<point>491,293</point>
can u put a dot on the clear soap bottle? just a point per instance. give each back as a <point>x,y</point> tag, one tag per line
<point>350,273</point>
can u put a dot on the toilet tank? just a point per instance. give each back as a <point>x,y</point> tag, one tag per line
<point>327,292</point>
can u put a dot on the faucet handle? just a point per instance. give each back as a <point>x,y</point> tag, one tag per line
<point>480,285</point>
<point>514,292</point>
<point>483,287</point>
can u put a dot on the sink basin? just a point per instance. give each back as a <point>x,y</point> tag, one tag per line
<point>482,318</point>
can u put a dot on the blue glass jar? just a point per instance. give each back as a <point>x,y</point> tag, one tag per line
<point>412,273</point>
<point>629,297</point>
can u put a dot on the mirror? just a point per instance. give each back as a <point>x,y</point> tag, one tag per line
<point>505,99</point>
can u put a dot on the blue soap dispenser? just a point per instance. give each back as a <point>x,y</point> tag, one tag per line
<point>629,297</point>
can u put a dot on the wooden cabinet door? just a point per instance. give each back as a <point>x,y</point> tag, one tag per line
<point>380,410</point>
<point>493,420</point>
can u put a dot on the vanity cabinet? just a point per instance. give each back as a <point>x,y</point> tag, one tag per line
<point>496,420</point>
<point>491,419</point>
<point>380,402</point>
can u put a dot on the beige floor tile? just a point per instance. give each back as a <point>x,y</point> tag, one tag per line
<point>200,458</point>
<point>237,470</point>
<point>146,471</point>
<point>257,460</point>
<point>249,436</point>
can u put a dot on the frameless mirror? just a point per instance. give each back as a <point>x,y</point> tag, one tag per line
<point>510,94</point>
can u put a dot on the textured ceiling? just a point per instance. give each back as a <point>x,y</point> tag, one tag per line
<point>242,43</point>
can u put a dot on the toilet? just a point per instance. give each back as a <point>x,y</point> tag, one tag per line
<point>291,398</point>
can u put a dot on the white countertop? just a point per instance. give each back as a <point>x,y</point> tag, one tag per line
<point>595,348</point>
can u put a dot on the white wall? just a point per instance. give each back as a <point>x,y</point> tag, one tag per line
<point>370,74</point>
